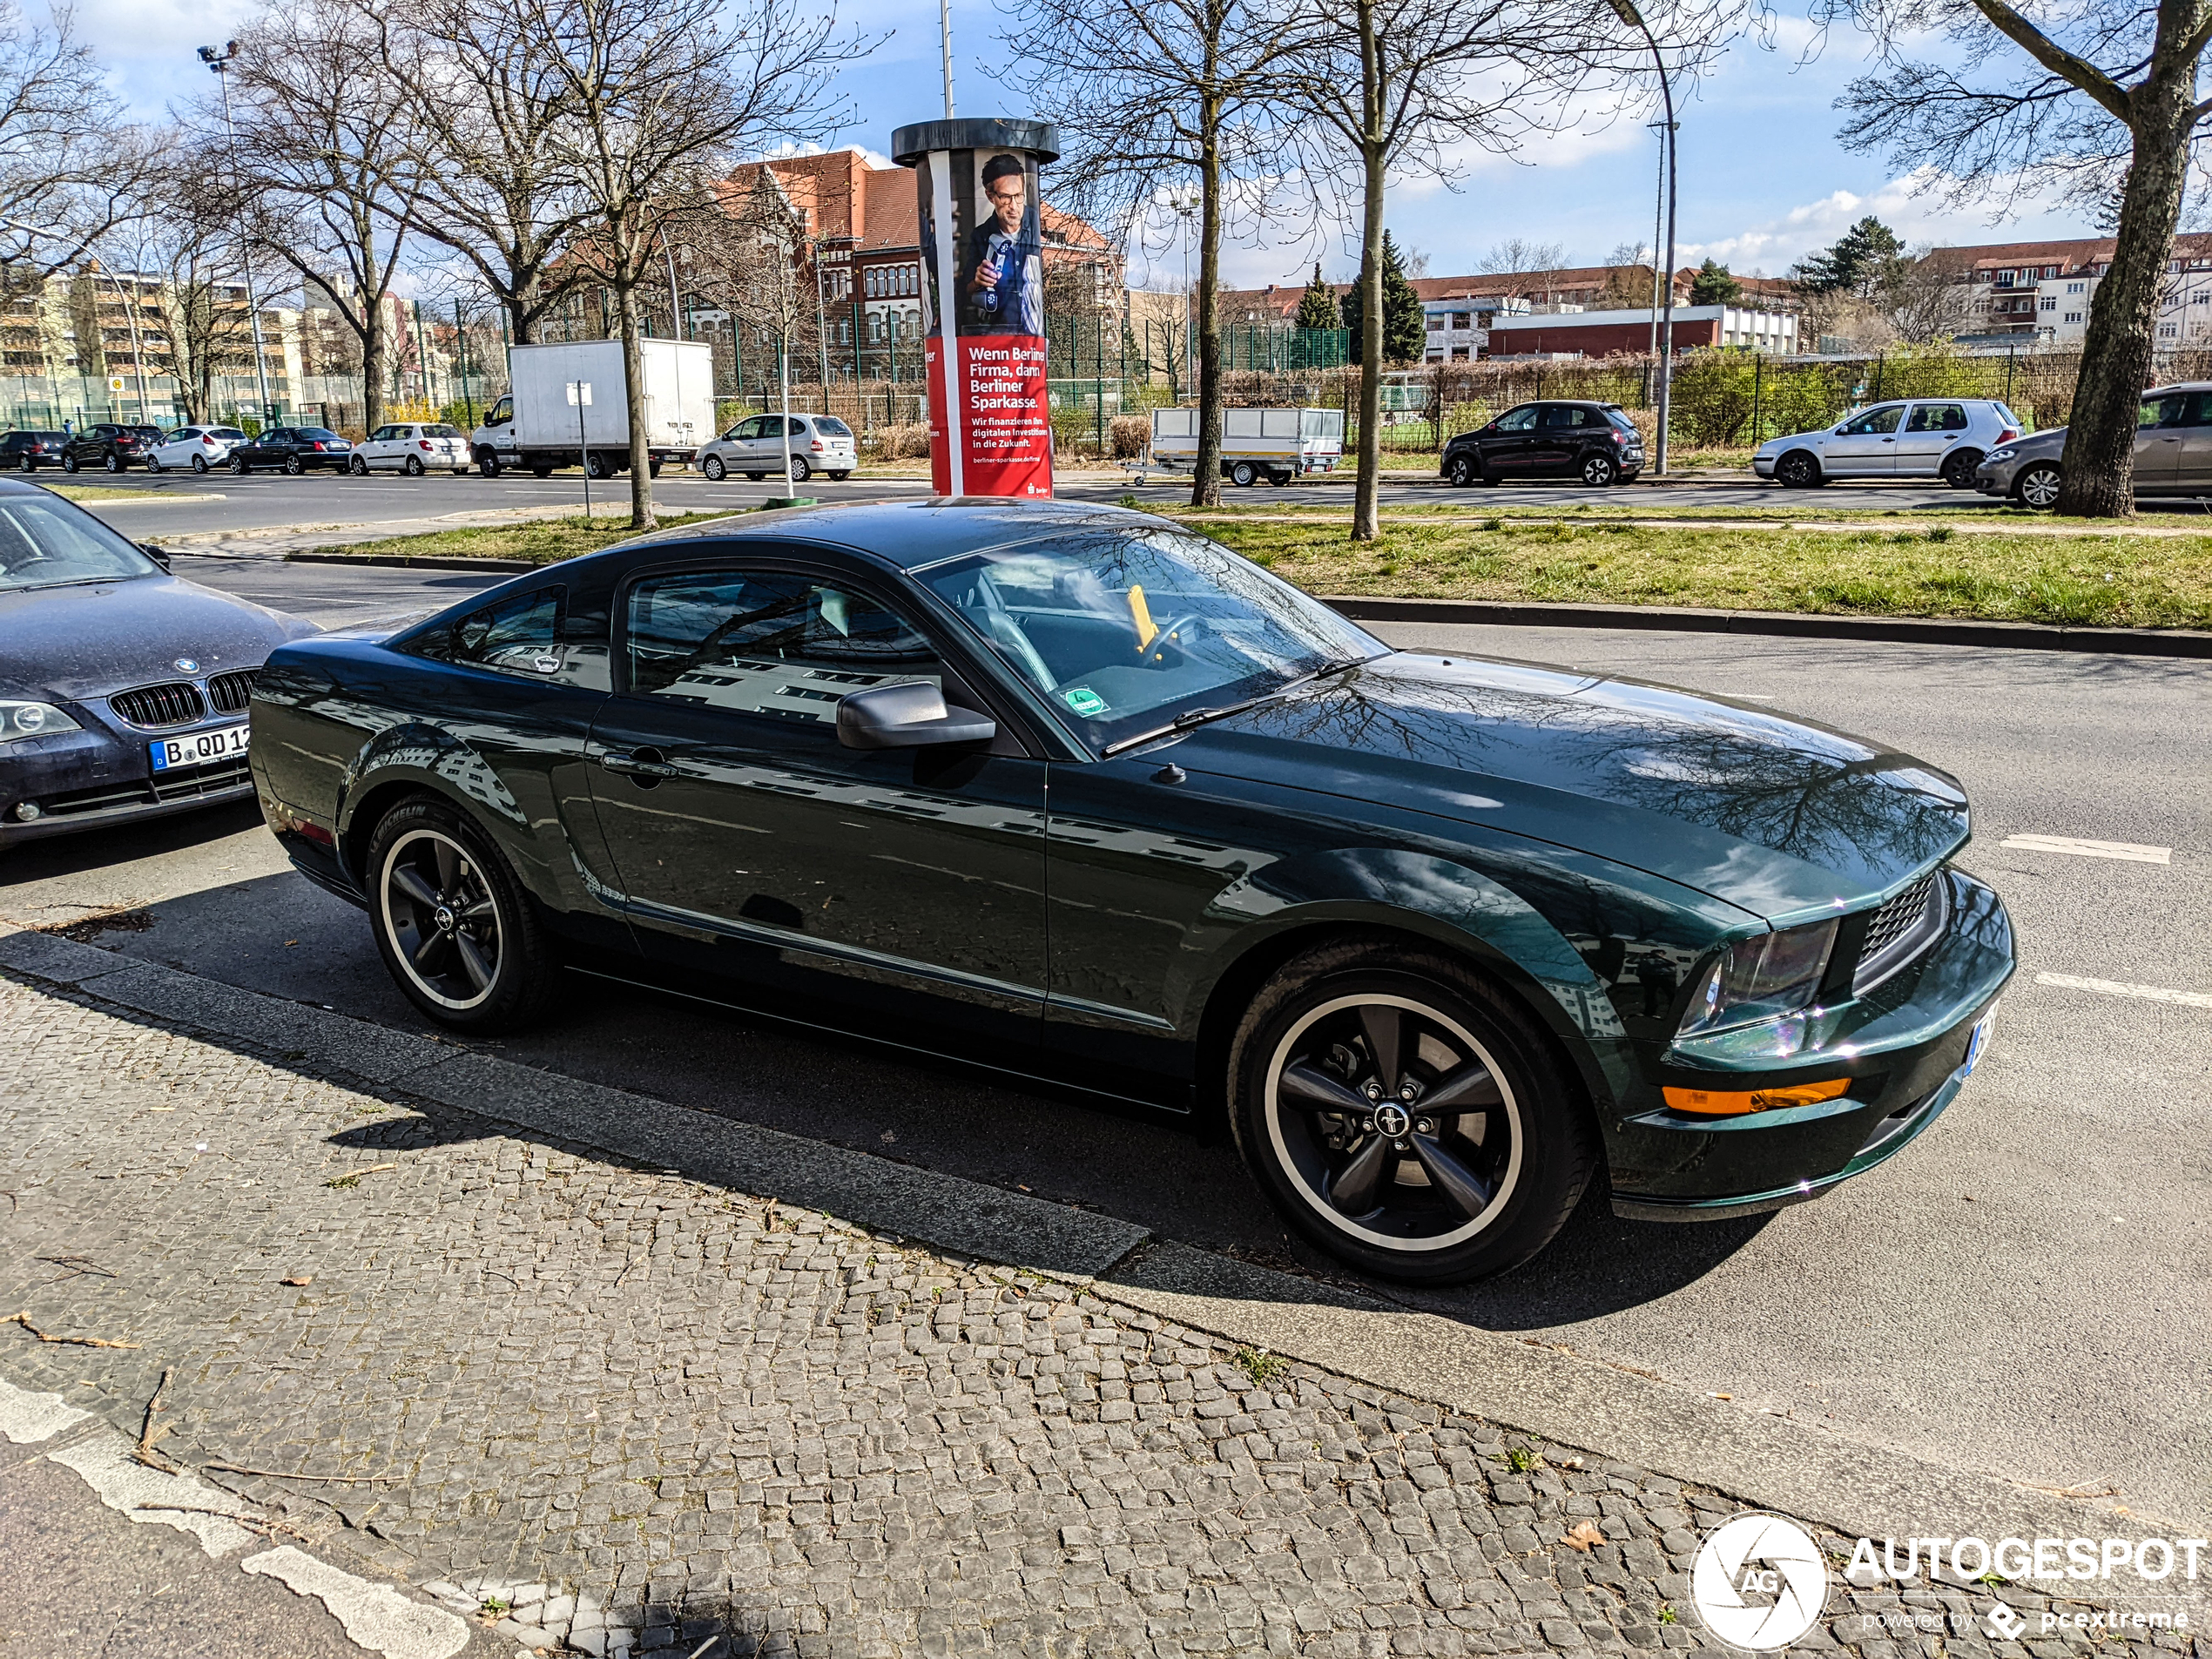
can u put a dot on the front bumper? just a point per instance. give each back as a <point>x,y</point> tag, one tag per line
<point>1905,1047</point>
<point>93,779</point>
<point>1763,466</point>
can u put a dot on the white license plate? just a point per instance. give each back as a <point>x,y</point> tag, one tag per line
<point>199,748</point>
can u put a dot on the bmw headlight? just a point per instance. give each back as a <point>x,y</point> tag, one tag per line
<point>1765,978</point>
<point>31,720</point>
<point>2002,455</point>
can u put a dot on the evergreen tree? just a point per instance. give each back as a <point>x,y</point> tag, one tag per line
<point>1317,308</point>
<point>1713,285</point>
<point>1866,262</point>
<point>1405,327</point>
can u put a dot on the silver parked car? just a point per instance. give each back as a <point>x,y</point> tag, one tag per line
<point>2173,452</point>
<point>755,448</point>
<point>197,447</point>
<point>1937,437</point>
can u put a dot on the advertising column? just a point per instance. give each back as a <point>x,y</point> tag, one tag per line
<point>982,256</point>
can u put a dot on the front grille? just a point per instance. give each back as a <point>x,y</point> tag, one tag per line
<point>178,702</point>
<point>230,693</point>
<point>1905,925</point>
<point>162,787</point>
<point>201,781</point>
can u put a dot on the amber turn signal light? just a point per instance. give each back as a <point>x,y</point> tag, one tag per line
<point>1721,1102</point>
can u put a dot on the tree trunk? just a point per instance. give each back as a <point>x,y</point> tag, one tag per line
<point>373,350</point>
<point>2099,463</point>
<point>1366,519</point>
<point>633,388</point>
<point>1205,482</point>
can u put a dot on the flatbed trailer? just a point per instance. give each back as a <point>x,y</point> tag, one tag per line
<point>1278,445</point>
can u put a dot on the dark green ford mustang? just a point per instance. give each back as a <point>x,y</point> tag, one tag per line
<point>1082,795</point>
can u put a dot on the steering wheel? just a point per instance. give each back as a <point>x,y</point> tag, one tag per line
<point>1171,633</point>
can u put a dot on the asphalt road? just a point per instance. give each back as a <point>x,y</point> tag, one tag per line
<point>177,504</point>
<point>2024,1291</point>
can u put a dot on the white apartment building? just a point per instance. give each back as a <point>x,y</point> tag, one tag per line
<point>2041,290</point>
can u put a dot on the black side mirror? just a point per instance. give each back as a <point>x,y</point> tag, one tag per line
<point>912,716</point>
<point>158,555</point>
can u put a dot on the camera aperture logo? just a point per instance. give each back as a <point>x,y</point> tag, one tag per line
<point>1759,1582</point>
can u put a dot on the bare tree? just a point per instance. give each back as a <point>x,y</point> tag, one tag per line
<point>659,94</point>
<point>331,169</point>
<point>753,261</point>
<point>198,321</point>
<point>486,97</point>
<point>1152,95</point>
<point>2107,97</point>
<point>1933,298</point>
<point>1399,85</point>
<point>1516,256</point>
<point>70,165</point>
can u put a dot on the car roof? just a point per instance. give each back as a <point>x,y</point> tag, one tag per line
<point>909,535</point>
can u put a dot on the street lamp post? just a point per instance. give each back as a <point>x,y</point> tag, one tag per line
<point>220,62</point>
<point>1626,10</point>
<point>1186,204</point>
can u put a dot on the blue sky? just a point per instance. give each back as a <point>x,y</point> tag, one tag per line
<point>1763,179</point>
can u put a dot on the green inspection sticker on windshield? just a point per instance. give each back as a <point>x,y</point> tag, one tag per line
<point>1084,701</point>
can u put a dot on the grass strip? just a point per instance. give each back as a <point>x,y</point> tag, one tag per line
<point>544,541</point>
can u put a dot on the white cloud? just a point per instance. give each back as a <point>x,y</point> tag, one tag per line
<point>1913,206</point>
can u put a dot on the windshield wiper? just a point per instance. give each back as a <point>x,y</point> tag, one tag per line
<point>1191,718</point>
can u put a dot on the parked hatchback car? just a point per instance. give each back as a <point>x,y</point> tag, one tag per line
<point>1941,438</point>
<point>755,448</point>
<point>294,449</point>
<point>1596,443</point>
<point>1441,941</point>
<point>2173,452</point>
<point>122,688</point>
<point>109,446</point>
<point>197,447</point>
<point>412,447</point>
<point>26,451</point>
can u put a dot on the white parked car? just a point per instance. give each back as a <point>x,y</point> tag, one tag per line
<point>412,447</point>
<point>197,447</point>
<point>1934,437</point>
<point>755,448</point>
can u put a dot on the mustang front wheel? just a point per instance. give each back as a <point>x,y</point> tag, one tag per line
<point>452,922</point>
<point>1407,1116</point>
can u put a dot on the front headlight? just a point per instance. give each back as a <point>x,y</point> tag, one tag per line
<point>31,720</point>
<point>2001,454</point>
<point>1766,978</point>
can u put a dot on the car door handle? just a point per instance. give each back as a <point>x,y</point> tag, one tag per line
<point>642,763</point>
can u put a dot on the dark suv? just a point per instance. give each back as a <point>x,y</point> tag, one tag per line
<point>109,446</point>
<point>1594,442</point>
<point>27,451</point>
<point>295,449</point>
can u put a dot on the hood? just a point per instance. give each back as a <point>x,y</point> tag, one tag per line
<point>2036,443</point>
<point>86,641</point>
<point>1780,817</point>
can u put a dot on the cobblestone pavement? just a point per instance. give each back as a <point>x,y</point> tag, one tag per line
<point>614,1407</point>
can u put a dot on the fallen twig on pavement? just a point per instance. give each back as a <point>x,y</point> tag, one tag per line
<point>24,1319</point>
<point>286,1475</point>
<point>353,1178</point>
<point>147,1435</point>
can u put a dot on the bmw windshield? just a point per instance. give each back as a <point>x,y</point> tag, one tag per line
<point>1126,631</point>
<point>46,542</point>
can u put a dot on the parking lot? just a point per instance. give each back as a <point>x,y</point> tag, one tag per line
<point>2022,1294</point>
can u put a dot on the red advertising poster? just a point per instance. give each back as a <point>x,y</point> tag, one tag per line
<point>1004,426</point>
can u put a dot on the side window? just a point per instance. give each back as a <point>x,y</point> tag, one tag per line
<point>2198,409</point>
<point>1563,415</point>
<point>1520,420</point>
<point>746,430</point>
<point>2161,411</point>
<point>501,412</point>
<point>1875,422</point>
<point>519,635</point>
<point>1938,417</point>
<point>767,643</point>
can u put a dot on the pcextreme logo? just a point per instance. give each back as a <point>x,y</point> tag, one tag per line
<point>1759,1582</point>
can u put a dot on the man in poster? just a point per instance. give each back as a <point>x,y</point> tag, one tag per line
<point>1005,255</point>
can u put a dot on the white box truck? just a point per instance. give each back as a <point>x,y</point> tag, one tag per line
<point>537,424</point>
<point>1278,445</point>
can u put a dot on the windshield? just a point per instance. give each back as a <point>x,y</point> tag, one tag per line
<point>44,542</point>
<point>317,434</point>
<point>1122,631</point>
<point>230,432</point>
<point>830,427</point>
<point>439,432</point>
<point>153,432</point>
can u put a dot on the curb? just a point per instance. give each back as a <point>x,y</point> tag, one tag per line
<point>1918,631</point>
<point>409,562</point>
<point>1764,1461</point>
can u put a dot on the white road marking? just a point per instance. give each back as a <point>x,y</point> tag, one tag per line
<point>26,1417</point>
<point>2116,987</point>
<point>2081,849</point>
<point>106,1465</point>
<point>376,1616</point>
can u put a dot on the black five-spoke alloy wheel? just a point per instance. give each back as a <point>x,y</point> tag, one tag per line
<point>451,921</point>
<point>1405,1115</point>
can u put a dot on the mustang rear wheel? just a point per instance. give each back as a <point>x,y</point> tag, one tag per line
<point>1407,1116</point>
<point>452,923</point>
